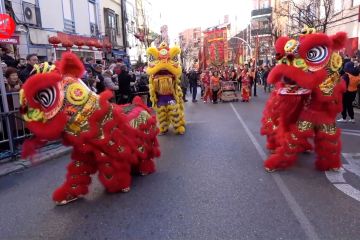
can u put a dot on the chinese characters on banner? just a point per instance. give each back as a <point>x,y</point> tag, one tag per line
<point>215,47</point>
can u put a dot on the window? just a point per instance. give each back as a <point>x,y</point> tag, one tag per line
<point>110,24</point>
<point>356,2</point>
<point>67,9</point>
<point>117,24</point>
<point>69,24</point>
<point>92,11</point>
<point>265,4</point>
<point>322,10</point>
<point>338,4</point>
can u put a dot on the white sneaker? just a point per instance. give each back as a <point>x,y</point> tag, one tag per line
<point>352,120</point>
<point>341,120</point>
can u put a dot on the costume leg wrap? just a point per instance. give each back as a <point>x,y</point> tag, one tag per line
<point>292,143</point>
<point>177,118</point>
<point>163,119</point>
<point>146,167</point>
<point>328,148</point>
<point>115,175</point>
<point>77,178</point>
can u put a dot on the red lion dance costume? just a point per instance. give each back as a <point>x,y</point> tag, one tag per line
<point>107,138</point>
<point>306,101</point>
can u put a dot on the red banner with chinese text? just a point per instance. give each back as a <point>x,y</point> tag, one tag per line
<point>215,47</point>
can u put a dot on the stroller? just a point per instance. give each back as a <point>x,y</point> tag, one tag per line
<point>228,92</point>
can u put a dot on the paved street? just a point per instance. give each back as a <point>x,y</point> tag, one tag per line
<point>210,184</point>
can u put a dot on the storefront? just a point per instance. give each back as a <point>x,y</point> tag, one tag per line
<point>12,44</point>
<point>53,44</point>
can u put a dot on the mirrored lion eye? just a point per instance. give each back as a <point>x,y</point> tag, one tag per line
<point>46,97</point>
<point>317,54</point>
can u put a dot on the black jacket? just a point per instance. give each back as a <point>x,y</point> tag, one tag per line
<point>193,78</point>
<point>25,73</point>
<point>100,86</point>
<point>10,61</point>
<point>124,80</point>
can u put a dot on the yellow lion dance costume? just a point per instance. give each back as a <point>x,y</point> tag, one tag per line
<point>164,72</point>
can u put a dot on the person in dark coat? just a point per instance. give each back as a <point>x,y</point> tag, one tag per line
<point>31,59</point>
<point>193,79</point>
<point>9,60</point>
<point>124,80</point>
<point>100,84</point>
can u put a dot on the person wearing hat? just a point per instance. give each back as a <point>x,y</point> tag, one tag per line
<point>352,79</point>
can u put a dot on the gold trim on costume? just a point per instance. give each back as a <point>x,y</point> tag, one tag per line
<point>327,86</point>
<point>304,126</point>
<point>329,129</point>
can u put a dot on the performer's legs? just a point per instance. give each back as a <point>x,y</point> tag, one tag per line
<point>350,108</point>
<point>162,117</point>
<point>177,119</point>
<point>328,147</point>
<point>292,143</point>
<point>115,174</point>
<point>77,178</point>
<point>344,103</point>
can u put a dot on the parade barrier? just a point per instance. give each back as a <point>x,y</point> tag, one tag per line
<point>12,129</point>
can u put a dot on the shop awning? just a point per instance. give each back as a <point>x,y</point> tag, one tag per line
<point>12,40</point>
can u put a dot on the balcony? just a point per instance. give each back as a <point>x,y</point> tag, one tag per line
<point>261,12</point>
<point>261,31</point>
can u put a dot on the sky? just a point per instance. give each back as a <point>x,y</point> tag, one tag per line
<point>183,14</point>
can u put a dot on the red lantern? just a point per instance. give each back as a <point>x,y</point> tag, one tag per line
<point>98,45</point>
<point>67,44</point>
<point>54,40</point>
<point>90,44</point>
<point>108,46</point>
<point>79,43</point>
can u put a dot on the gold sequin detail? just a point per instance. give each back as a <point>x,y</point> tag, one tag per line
<point>327,86</point>
<point>141,119</point>
<point>79,122</point>
<point>293,136</point>
<point>291,146</point>
<point>304,126</point>
<point>329,129</point>
<point>77,164</point>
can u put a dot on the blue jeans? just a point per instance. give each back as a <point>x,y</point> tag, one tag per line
<point>194,91</point>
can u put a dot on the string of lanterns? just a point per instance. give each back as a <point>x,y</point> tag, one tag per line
<point>68,44</point>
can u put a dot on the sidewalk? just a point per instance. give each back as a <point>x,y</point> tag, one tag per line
<point>40,157</point>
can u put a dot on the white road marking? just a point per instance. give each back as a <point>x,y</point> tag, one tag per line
<point>350,132</point>
<point>337,178</point>
<point>349,190</point>
<point>294,206</point>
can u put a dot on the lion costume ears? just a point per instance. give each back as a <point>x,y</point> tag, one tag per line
<point>338,40</point>
<point>71,65</point>
<point>279,47</point>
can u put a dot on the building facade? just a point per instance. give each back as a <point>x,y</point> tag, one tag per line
<point>70,21</point>
<point>190,43</point>
<point>346,18</point>
<point>261,31</point>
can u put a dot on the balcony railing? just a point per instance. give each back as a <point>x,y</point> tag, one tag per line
<point>262,11</point>
<point>261,31</point>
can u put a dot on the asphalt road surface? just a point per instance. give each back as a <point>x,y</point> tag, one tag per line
<point>209,184</point>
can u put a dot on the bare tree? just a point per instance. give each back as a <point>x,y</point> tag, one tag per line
<point>315,14</point>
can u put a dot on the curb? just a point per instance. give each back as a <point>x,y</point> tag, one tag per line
<point>37,159</point>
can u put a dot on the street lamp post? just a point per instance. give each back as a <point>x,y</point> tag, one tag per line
<point>246,43</point>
